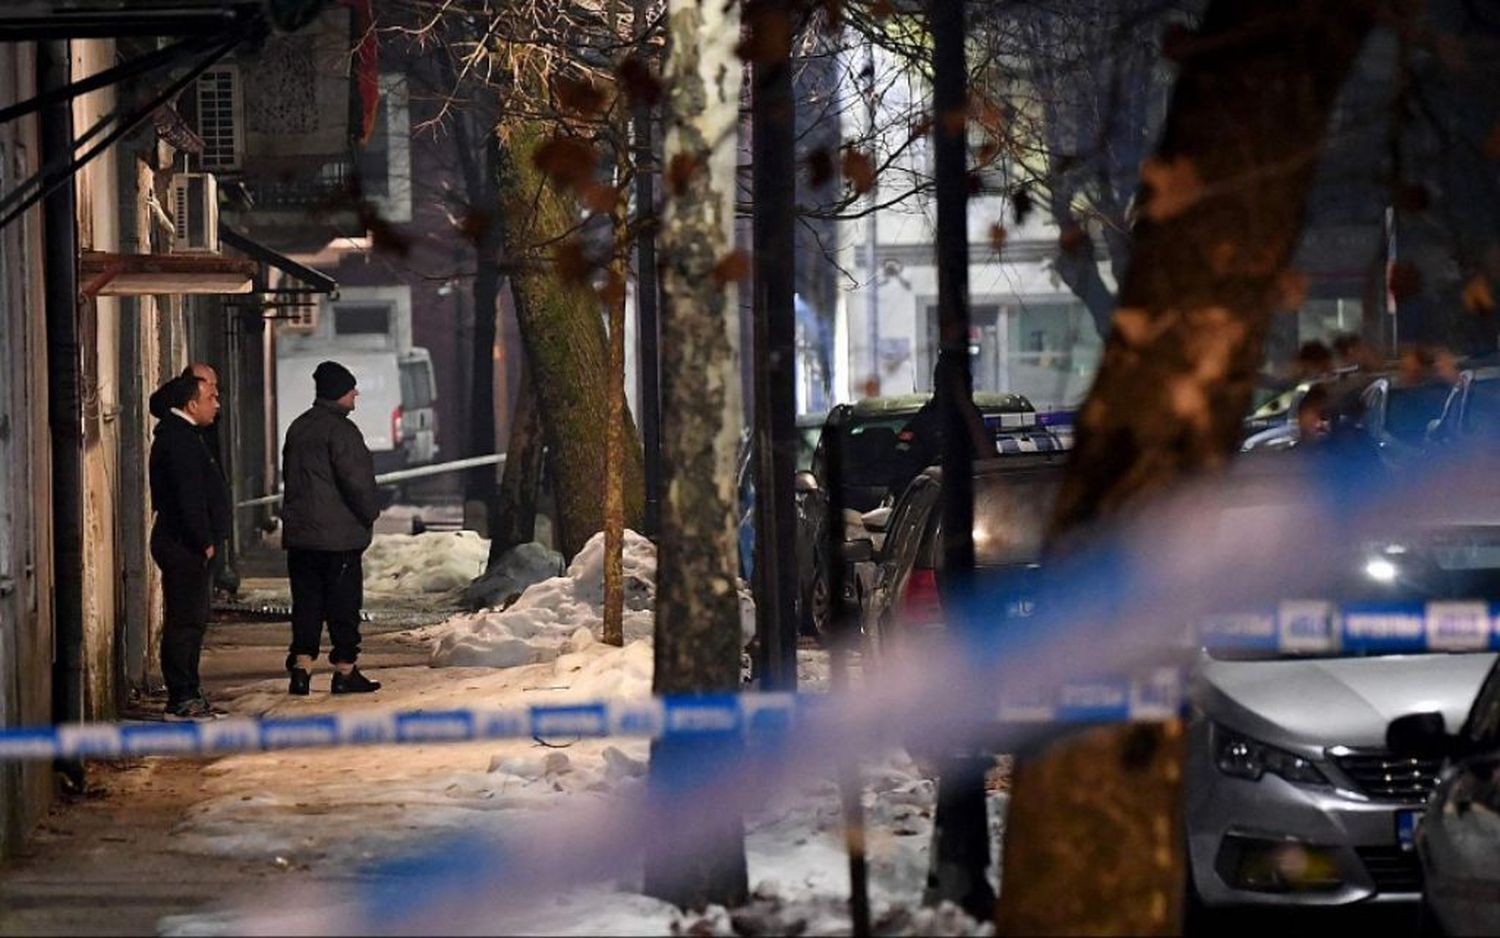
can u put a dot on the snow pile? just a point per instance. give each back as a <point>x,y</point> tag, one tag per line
<point>518,568</point>
<point>534,627</point>
<point>432,562</point>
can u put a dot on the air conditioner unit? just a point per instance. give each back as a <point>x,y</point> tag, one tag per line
<point>195,213</point>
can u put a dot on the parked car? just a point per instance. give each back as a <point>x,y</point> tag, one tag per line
<point>418,425</point>
<point>1458,836</point>
<point>1292,794</point>
<point>898,586</point>
<point>808,428</point>
<point>1472,407</point>
<point>878,463</point>
<point>1398,415</point>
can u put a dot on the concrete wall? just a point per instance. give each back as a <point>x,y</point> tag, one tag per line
<point>26,637</point>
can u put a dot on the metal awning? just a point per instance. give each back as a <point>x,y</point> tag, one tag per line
<point>315,281</point>
<point>104,273</point>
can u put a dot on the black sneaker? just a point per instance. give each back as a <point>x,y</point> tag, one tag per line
<point>213,711</point>
<point>301,682</point>
<point>191,710</point>
<point>354,682</point>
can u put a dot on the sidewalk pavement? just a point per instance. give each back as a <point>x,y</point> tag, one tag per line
<point>105,861</point>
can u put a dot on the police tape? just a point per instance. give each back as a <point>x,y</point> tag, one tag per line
<point>1293,628</point>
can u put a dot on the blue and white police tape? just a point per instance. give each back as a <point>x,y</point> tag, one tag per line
<point>1322,627</point>
<point>674,716</point>
<point>1293,627</point>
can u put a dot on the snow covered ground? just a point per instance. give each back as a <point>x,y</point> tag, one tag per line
<point>337,810</point>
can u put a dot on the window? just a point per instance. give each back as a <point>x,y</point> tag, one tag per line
<point>218,100</point>
<point>300,317</point>
<point>416,385</point>
<point>362,319</point>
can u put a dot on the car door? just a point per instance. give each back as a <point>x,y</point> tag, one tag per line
<point>1459,837</point>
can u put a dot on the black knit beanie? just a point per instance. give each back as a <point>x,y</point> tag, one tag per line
<point>332,381</point>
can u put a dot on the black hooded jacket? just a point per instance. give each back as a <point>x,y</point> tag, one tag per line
<point>187,488</point>
<point>219,496</point>
<point>331,500</point>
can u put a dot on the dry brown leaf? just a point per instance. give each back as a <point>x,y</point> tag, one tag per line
<point>612,291</point>
<point>882,9</point>
<point>580,95</point>
<point>567,161</point>
<point>680,172</point>
<point>1477,295</point>
<point>732,268</point>
<point>474,224</point>
<point>572,263</point>
<point>1174,187</point>
<point>859,170</point>
<point>1291,289</point>
<point>1073,240</point>
<point>600,197</point>
<point>998,235</point>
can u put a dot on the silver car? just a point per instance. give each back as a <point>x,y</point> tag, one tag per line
<point>1290,794</point>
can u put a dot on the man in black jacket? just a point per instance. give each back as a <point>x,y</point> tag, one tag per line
<point>330,503</point>
<point>222,575</point>
<point>187,493</point>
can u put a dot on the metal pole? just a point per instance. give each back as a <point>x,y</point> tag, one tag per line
<point>64,391</point>
<point>872,236</point>
<point>648,332</point>
<point>402,475</point>
<point>960,855</point>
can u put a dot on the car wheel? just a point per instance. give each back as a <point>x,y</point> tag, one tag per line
<point>820,606</point>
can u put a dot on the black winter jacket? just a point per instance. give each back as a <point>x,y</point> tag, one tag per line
<point>330,497</point>
<point>187,488</point>
<point>223,511</point>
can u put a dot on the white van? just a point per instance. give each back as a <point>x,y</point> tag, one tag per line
<point>377,412</point>
<point>418,422</point>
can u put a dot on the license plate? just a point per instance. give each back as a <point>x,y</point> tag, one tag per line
<point>1406,829</point>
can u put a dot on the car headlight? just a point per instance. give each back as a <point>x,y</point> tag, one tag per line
<point>1243,757</point>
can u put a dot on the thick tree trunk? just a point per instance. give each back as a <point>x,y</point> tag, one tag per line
<point>1221,213</point>
<point>700,858</point>
<point>565,343</point>
<point>523,472</point>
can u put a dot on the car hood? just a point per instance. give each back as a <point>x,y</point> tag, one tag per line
<point>1307,705</point>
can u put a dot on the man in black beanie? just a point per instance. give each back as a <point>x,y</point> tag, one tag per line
<point>328,514</point>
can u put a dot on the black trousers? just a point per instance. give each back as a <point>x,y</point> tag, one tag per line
<point>327,586</point>
<point>185,585</point>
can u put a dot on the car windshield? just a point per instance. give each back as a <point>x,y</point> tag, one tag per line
<point>870,454</point>
<point>807,444</point>
<point>1382,583</point>
<point>1411,409</point>
<point>1010,516</point>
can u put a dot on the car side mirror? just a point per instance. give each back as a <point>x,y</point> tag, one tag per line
<point>1419,736</point>
<point>857,551</point>
<point>804,481</point>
